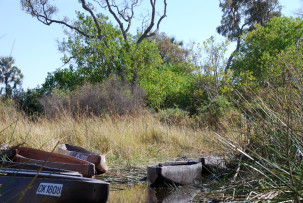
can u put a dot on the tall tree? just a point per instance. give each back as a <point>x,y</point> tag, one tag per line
<point>171,50</point>
<point>256,61</point>
<point>92,61</point>
<point>242,15</point>
<point>122,11</point>
<point>10,76</point>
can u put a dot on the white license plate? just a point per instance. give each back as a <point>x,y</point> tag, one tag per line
<point>50,189</point>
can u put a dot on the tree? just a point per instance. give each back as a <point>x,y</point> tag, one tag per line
<point>258,54</point>
<point>95,31</point>
<point>211,77</point>
<point>168,86</point>
<point>122,12</point>
<point>242,15</point>
<point>92,61</point>
<point>171,50</point>
<point>10,76</point>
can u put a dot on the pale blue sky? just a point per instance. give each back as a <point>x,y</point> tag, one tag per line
<point>35,47</point>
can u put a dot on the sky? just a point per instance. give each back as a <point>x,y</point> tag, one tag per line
<point>34,45</point>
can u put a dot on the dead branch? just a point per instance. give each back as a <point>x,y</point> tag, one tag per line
<point>43,11</point>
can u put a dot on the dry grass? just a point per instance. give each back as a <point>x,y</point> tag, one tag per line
<point>137,139</point>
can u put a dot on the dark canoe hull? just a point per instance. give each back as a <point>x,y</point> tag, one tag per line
<point>21,168</point>
<point>54,160</point>
<point>81,153</point>
<point>52,189</point>
<point>178,172</point>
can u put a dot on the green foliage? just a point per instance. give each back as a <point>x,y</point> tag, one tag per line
<point>216,107</point>
<point>64,79</point>
<point>290,64</point>
<point>213,110</point>
<point>242,15</point>
<point>274,133</point>
<point>168,85</point>
<point>171,50</point>
<point>10,76</point>
<point>93,60</point>
<point>212,77</point>
<point>174,116</point>
<point>29,102</point>
<point>257,56</point>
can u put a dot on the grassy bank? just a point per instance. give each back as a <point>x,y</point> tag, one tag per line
<point>135,139</point>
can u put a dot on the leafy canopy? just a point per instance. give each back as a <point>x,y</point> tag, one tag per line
<point>10,76</point>
<point>92,60</point>
<point>262,46</point>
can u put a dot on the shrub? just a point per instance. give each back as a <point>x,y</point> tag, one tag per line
<point>274,147</point>
<point>211,112</point>
<point>113,96</point>
<point>173,116</point>
<point>28,102</point>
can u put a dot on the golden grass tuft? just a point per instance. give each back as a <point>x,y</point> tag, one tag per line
<point>139,139</point>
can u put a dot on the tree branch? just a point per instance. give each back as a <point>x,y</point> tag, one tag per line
<point>109,6</point>
<point>147,33</point>
<point>43,11</point>
<point>85,7</point>
<point>45,19</point>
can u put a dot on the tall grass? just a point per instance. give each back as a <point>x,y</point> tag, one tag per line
<point>272,169</point>
<point>135,139</point>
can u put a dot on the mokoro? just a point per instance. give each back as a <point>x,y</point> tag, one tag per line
<point>54,160</point>
<point>23,168</point>
<point>51,188</point>
<point>215,164</point>
<point>81,153</point>
<point>174,172</point>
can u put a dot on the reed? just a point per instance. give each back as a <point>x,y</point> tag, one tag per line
<point>272,155</point>
<point>136,139</point>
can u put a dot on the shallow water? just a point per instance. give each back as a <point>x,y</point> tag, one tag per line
<point>130,185</point>
<point>142,193</point>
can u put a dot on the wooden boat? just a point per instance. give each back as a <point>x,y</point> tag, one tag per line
<point>15,167</point>
<point>54,160</point>
<point>81,153</point>
<point>215,164</point>
<point>50,188</point>
<point>174,172</point>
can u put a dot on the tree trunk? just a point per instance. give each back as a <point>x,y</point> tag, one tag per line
<point>232,55</point>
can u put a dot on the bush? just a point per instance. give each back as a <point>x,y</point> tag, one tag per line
<point>29,102</point>
<point>8,111</point>
<point>113,96</point>
<point>211,112</point>
<point>173,116</point>
<point>168,85</point>
<point>274,147</point>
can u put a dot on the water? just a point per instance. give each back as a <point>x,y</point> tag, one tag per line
<point>130,185</point>
<point>142,193</point>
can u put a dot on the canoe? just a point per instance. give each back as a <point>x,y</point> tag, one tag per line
<point>215,164</point>
<point>174,172</point>
<point>51,188</point>
<point>20,168</point>
<point>81,153</point>
<point>54,160</point>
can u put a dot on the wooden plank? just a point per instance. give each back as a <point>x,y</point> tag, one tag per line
<point>83,154</point>
<point>54,160</point>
